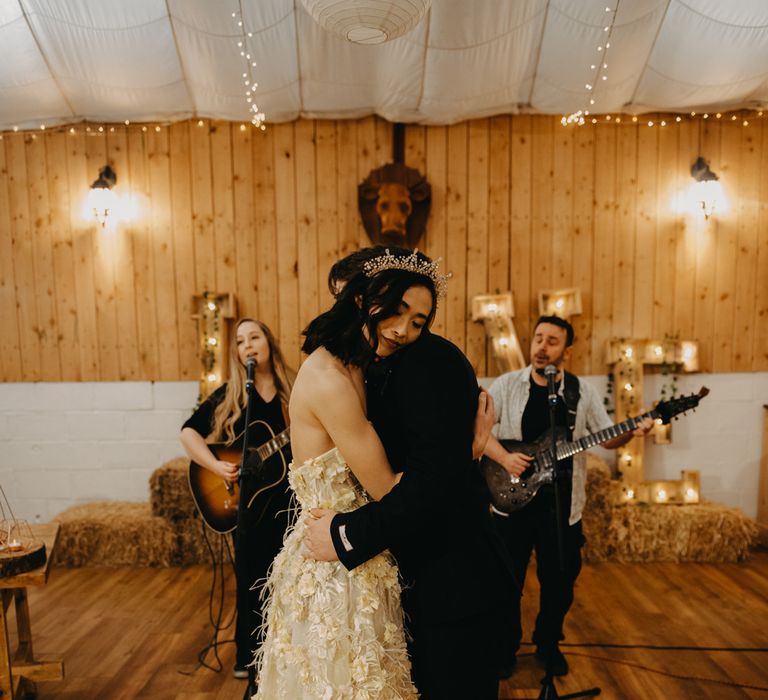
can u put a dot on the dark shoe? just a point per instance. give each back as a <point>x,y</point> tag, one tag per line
<point>507,668</point>
<point>552,658</point>
<point>240,671</point>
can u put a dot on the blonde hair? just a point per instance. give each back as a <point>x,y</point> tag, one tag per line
<point>235,398</point>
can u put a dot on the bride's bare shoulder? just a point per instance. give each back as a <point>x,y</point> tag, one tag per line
<point>322,373</point>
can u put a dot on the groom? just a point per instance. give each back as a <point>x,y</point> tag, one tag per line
<point>422,402</point>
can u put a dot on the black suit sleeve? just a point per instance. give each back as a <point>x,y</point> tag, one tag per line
<point>435,398</point>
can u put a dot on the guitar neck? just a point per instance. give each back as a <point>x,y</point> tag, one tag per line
<point>568,449</point>
<point>270,447</point>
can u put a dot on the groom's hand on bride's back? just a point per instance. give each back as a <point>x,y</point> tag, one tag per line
<point>317,536</point>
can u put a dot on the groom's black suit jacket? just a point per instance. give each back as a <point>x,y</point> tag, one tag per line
<point>422,402</point>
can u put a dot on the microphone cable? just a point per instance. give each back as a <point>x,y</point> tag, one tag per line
<point>215,618</point>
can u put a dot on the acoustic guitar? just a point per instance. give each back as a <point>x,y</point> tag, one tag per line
<point>218,500</point>
<point>509,494</point>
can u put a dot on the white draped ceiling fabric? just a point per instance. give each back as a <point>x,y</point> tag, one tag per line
<point>64,61</point>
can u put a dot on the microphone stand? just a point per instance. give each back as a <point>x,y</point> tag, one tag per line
<point>241,502</point>
<point>552,403</point>
<point>249,389</point>
<point>548,689</point>
<point>242,506</point>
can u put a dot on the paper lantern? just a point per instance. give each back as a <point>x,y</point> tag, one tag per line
<point>367,21</point>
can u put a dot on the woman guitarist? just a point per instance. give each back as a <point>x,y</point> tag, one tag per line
<point>221,417</point>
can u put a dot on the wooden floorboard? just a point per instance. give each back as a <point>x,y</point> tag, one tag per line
<point>135,633</point>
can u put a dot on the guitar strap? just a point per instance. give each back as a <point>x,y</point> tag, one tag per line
<point>572,395</point>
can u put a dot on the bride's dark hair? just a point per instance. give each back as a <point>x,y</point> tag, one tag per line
<point>339,329</point>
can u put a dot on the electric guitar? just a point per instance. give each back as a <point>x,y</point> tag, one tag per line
<point>217,499</point>
<point>509,494</point>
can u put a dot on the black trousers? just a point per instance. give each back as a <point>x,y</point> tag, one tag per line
<point>533,527</point>
<point>258,539</point>
<point>456,660</point>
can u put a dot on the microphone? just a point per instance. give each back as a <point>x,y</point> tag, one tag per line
<point>550,372</point>
<point>250,367</point>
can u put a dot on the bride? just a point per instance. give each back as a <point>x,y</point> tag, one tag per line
<point>333,633</point>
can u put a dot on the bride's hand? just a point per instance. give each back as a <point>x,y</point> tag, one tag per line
<point>484,420</point>
<point>317,536</point>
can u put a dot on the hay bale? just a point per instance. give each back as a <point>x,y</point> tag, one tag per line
<point>598,511</point>
<point>114,533</point>
<point>191,545</point>
<point>169,492</point>
<point>706,532</point>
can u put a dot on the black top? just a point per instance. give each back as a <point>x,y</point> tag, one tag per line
<point>270,412</point>
<point>422,402</point>
<point>536,415</point>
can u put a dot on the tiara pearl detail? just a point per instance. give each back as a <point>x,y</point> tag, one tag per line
<point>409,263</point>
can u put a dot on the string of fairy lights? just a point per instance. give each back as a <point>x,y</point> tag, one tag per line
<point>257,116</point>
<point>742,117</point>
<point>94,130</point>
<point>599,66</point>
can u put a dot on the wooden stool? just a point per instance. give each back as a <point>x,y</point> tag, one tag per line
<point>19,672</point>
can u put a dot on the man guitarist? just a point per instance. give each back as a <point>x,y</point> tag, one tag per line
<point>522,413</point>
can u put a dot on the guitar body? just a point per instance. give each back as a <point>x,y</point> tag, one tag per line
<point>507,495</point>
<point>217,500</point>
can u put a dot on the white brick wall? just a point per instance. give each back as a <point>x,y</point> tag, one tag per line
<point>69,443</point>
<point>722,439</point>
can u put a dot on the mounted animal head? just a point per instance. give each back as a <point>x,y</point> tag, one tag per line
<point>394,205</point>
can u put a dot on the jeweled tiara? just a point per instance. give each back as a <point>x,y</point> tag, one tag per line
<point>409,263</point>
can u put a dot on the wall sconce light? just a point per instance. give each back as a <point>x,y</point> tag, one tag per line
<point>101,199</point>
<point>708,191</point>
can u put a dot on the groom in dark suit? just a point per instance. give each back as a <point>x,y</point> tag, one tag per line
<point>422,402</point>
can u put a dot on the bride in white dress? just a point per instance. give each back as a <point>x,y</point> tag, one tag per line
<point>332,633</point>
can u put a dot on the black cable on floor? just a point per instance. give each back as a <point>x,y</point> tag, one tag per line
<point>660,647</point>
<point>215,618</point>
<point>669,674</point>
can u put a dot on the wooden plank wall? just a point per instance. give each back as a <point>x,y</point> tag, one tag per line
<point>519,202</point>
